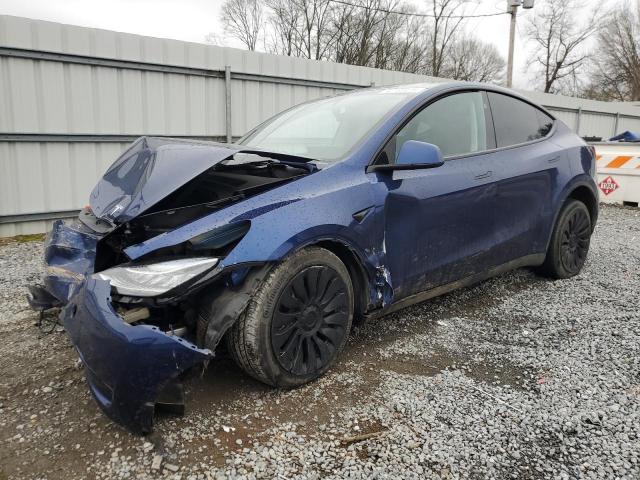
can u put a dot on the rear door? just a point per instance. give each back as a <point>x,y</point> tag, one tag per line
<point>439,222</point>
<point>525,169</point>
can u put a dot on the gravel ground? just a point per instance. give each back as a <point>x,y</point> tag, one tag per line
<point>519,377</point>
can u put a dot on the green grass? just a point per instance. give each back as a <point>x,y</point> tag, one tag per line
<point>34,237</point>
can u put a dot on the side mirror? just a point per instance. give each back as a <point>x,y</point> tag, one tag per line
<point>413,155</point>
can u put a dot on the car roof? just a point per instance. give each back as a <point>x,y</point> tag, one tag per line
<point>423,90</point>
<point>444,84</point>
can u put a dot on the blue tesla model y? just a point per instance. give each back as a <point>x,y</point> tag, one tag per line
<point>338,209</point>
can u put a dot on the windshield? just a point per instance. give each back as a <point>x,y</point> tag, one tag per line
<point>329,128</point>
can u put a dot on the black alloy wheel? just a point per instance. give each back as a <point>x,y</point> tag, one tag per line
<point>297,321</point>
<point>569,244</point>
<point>574,240</point>
<point>310,320</point>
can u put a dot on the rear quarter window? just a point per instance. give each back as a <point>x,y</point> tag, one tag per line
<point>516,121</point>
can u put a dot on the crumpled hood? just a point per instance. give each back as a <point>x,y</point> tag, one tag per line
<point>148,171</point>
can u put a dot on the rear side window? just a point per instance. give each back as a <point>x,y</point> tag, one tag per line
<point>455,123</point>
<point>516,121</point>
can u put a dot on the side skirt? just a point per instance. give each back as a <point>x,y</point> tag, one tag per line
<point>526,261</point>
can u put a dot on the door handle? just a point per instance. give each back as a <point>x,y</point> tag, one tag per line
<point>554,159</point>
<point>484,175</point>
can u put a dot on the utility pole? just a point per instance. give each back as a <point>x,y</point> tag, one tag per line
<point>512,9</point>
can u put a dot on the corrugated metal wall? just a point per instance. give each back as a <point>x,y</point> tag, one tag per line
<point>71,98</point>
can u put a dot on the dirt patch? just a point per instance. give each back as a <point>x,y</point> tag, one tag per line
<point>486,371</point>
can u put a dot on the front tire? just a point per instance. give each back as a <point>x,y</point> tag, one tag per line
<point>298,321</point>
<point>570,241</point>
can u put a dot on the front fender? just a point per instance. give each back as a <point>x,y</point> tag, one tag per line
<point>222,306</point>
<point>322,200</point>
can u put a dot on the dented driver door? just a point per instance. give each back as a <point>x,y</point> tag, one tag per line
<point>440,222</point>
<point>438,225</point>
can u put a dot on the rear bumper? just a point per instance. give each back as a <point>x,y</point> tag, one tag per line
<point>126,366</point>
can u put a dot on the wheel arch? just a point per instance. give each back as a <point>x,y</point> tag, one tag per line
<point>230,302</point>
<point>357,273</point>
<point>585,195</point>
<point>583,189</point>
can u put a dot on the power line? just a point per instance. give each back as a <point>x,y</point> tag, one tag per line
<point>411,14</point>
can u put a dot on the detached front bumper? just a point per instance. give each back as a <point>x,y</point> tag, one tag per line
<point>127,367</point>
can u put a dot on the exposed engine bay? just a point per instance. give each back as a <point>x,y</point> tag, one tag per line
<point>232,180</point>
<point>165,299</point>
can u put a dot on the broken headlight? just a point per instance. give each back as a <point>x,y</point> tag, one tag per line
<point>153,279</point>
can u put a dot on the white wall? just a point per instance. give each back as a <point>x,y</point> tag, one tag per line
<point>72,97</point>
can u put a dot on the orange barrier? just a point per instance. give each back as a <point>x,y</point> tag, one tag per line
<point>618,168</point>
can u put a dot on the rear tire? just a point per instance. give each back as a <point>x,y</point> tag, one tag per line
<point>570,241</point>
<point>298,321</point>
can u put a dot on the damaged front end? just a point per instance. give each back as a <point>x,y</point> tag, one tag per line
<point>129,368</point>
<point>140,323</point>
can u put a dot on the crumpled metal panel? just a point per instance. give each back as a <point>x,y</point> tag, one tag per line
<point>69,254</point>
<point>126,366</point>
<point>148,171</point>
<point>225,305</point>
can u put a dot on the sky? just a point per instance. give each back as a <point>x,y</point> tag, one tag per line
<point>192,20</point>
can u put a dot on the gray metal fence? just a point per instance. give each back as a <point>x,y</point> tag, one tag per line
<point>71,98</point>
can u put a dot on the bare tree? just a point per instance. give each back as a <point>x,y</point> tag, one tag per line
<point>387,35</point>
<point>471,59</point>
<point>365,33</point>
<point>242,19</point>
<point>448,16</point>
<point>215,38</point>
<point>375,33</point>
<point>371,21</point>
<point>345,24</point>
<point>409,47</point>
<point>560,40</point>
<point>314,36</point>
<point>284,21</point>
<point>617,66</point>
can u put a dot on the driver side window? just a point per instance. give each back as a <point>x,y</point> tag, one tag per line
<point>455,123</point>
